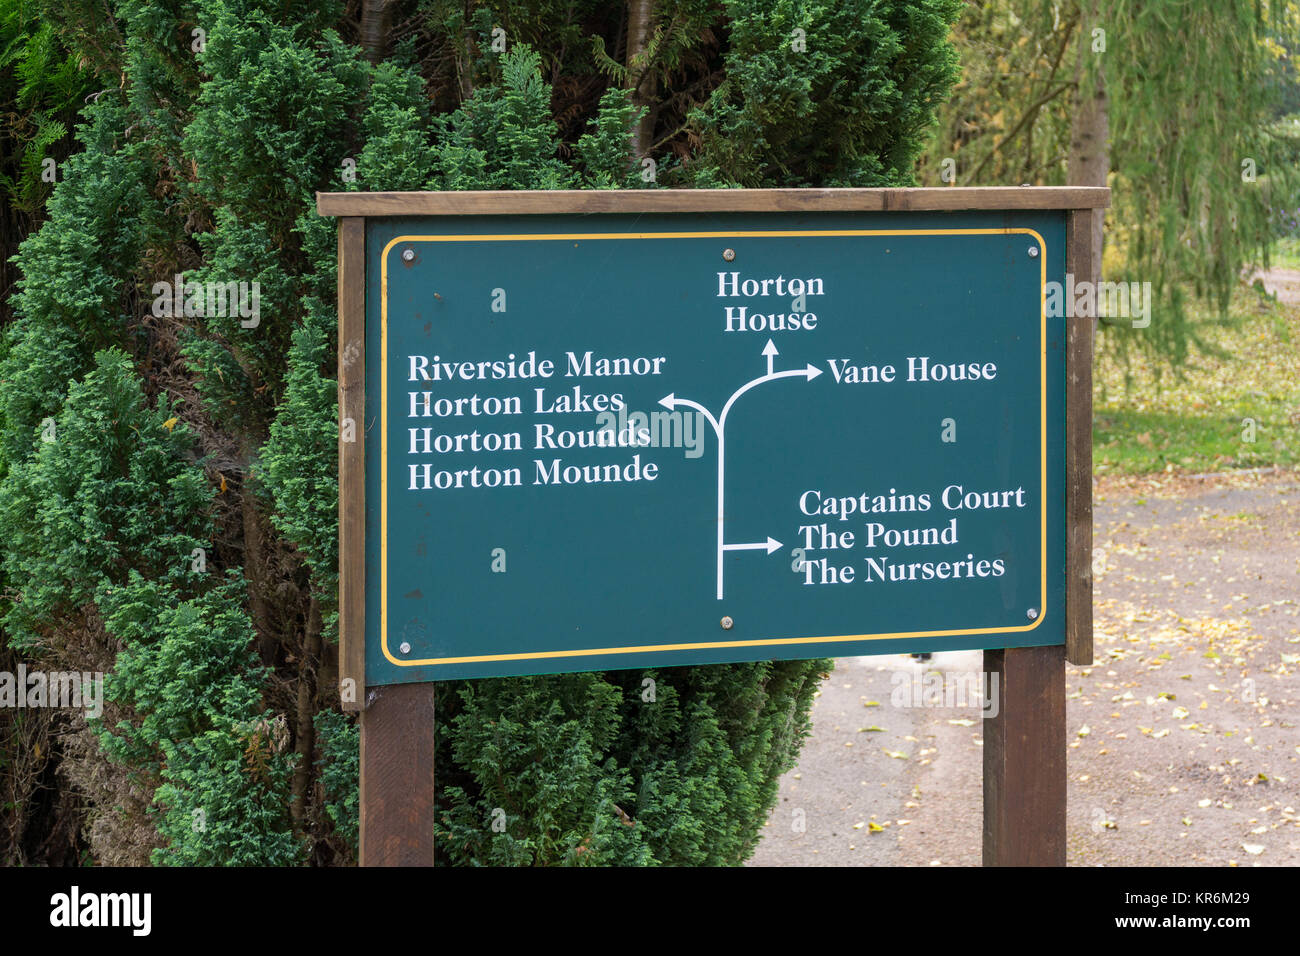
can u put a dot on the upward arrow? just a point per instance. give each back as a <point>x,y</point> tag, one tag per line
<point>770,351</point>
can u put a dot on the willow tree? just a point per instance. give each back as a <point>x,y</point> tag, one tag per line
<point>168,490</point>
<point>1170,102</point>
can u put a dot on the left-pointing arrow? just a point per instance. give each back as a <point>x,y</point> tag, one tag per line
<point>671,401</point>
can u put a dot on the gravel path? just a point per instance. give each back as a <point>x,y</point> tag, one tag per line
<point>1283,283</point>
<point>1184,747</point>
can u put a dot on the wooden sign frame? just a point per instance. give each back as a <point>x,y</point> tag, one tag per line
<point>1025,748</point>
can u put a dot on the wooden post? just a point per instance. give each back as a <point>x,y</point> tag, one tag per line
<point>397,731</point>
<point>397,806</point>
<point>1024,758</point>
<point>1025,745</point>
<point>1078,443</point>
<point>352,462</point>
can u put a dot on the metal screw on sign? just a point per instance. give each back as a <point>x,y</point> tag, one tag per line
<point>726,623</point>
<point>1032,614</point>
<point>728,254</point>
<point>405,648</point>
<point>1033,252</point>
<point>408,255</point>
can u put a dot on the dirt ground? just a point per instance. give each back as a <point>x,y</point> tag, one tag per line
<point>1183,740</point>
<point>1283,283</point>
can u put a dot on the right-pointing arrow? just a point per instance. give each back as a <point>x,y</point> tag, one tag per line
<point>770,545</point>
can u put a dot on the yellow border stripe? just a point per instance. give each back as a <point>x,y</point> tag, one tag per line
<point>711,645</point>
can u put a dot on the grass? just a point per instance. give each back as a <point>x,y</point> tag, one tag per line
<point>1286,253</point>
<point>1222,413</point>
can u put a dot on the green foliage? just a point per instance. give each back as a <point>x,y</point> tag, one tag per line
<point>221,799</point>
<point>338,738</point>
<point>503,137</point>
<point>97,232</point>
<point>827,93</point>
<point>1008,119</point>
<point>1200,167</point>
<point>674,767</point>
<point>239,354</point>
<point>265,123</point>
<point>604,150</point>
<point>1286,251</point>
<point>557,29</point>
<point>111,494</point>
<point>552,735</point>
<point>709,751</point>
<point>397,154</point>
<point>185,663</point>
<point>108,516</point>
<point>77,272</point>
<point>1190,109</point>
<point>41,86</point>
<point>300,460</point>
<point>1233,407</point>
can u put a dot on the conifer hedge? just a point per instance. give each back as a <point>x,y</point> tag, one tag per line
<point>168,482</point>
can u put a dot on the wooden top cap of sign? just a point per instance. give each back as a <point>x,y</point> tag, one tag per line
<point>523,202</point>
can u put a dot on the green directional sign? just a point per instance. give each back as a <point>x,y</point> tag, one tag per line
<point>617,441</point>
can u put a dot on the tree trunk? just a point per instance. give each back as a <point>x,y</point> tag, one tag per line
<point>1089,161</point>
<point>304,728</point>
<point>640,17</point>
<point>255,574</point>
<point>375,23</point>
